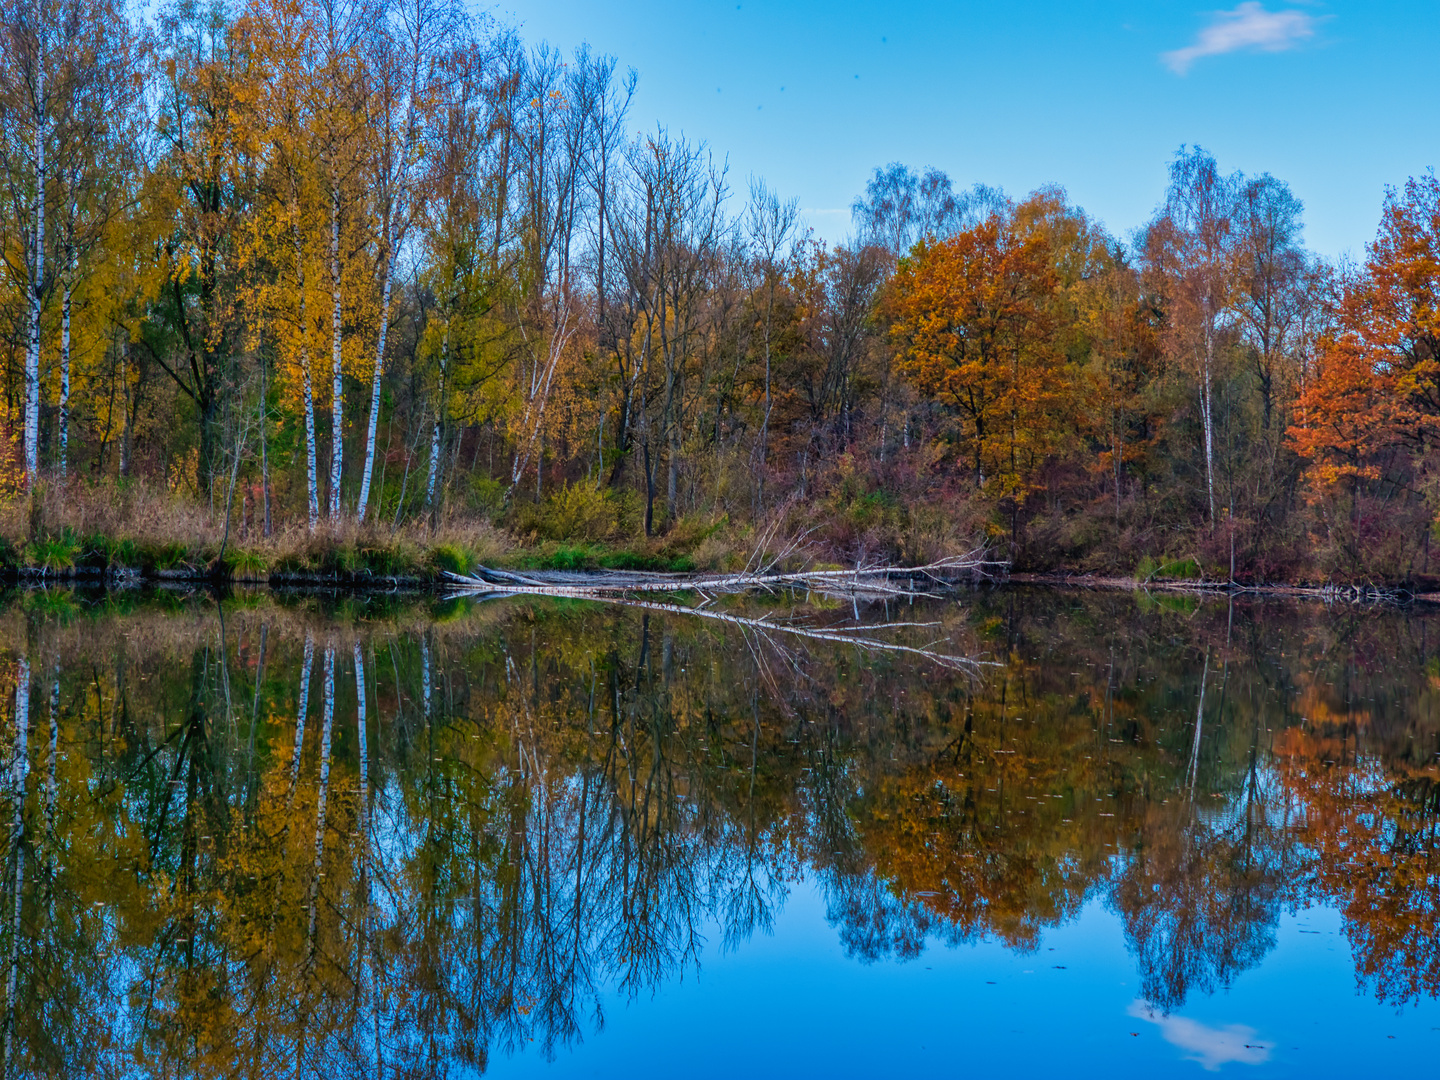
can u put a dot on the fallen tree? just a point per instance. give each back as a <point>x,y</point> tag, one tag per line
<point>862,581</point>
<point>626,587</point>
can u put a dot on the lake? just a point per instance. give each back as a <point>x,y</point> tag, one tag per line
<point>1019,830</point>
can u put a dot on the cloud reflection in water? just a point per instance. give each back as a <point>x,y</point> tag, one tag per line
<point>1210,1046</point>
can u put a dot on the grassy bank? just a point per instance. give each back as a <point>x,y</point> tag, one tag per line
<point>108,532</point>
<point>88,531</point>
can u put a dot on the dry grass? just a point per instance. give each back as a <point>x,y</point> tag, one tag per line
<point>145,526</point>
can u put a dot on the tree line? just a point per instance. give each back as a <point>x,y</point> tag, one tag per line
<point>382,261</point>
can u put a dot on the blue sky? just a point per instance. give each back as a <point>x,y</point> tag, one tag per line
<point>1334,98</point>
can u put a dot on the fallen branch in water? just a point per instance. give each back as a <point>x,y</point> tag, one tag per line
<point>863,581</point>
<point>619,587</point>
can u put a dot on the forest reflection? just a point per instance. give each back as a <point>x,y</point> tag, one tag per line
<point>265,838</point>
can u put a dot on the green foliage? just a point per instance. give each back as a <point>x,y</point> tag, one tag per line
<point>245,563</point>
<point>54,552</point>
<point>384,559</point>
<point>57,605</point>
<point>111,553</point>
<point>171,556</point>
<point>581,512</point>
<point>486,496</point>
<point>1149,569</point>
<point>453,558</point>
<point>599,557</point>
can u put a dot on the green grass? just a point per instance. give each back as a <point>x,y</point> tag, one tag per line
<point>452,558</point>
<point>54,553</point>
<point>1149,569</point>
<point>245,564</point>
<point>599,557</point>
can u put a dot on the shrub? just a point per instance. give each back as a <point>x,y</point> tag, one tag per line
<point>581,512</point>
<point>109,552</point>
<point>169,556</point>
<point>54,552</point>
<point>453,557</point>
<point>1149,569</point>
<point>245,563</point>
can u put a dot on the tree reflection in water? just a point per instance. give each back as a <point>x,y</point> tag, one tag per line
<point>504,813</point>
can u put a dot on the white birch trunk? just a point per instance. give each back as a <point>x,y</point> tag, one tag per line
<point>425,676</point>
<point>308,662</point>
<point>36,267</point>
<point>19,767</point>
<point>542,378</point>
<point>51,781</point>
<point>435,430</point>
<point>326,725</point>
<point>367,944</point>
<point>360,729</point>
<point>1207,417</point>
<point>375,379</point>
<point>337,390</point>
<point>1194,767</point>
<point>312,478</point>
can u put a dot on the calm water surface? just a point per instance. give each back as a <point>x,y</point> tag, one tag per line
<point>269,837</point>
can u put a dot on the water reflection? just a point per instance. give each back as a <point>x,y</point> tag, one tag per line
<point>490,816</point>
<point>1211,1047</point>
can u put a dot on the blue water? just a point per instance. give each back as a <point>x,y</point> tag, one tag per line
<point>791,1003</point>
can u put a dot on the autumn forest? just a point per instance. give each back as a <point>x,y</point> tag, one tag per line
<point>361,284</point>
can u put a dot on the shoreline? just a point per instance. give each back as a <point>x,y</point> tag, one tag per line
<point>422,580</point>
<point>1367,592</point>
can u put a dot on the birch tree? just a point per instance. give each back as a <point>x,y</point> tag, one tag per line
<point>98,142</point>
<point>406,58</point>
<point>27,104</point>
<point>342,26</point>
<point>1189,247</point>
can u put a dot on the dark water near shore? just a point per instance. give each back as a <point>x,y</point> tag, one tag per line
<point>271,838</point>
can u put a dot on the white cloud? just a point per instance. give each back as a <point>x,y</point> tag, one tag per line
<point>1211,1047</point>
<point>1249,26</point>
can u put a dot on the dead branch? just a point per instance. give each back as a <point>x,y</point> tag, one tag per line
<point>862,582</point>
<point>620,586</point>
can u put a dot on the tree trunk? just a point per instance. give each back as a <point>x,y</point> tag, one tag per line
<point>649,489</point>
<point>337,389</point>
<point>375,379</point>
<point>36,267</point>
<point>326,725</point>
<point>65,378</point>
<point>435,430</point>
<point>264,450</point>
<point>124,469</point>
<point>1207,418</point>
<point>312,479</point>
<point>18,770</point>
<point>304,707</point>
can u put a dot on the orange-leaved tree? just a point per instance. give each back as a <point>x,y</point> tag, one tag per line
<point>1376,387</point>
<point>974,320</point>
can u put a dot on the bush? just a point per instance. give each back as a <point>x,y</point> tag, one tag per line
<point>54,552</point>
<point>1149,569</point>
<point>453,558</point>
<point>246,564</point>
<point>171,556</point>
<point>107,552</point>
<point>582,512</point>
<point>486,496</point>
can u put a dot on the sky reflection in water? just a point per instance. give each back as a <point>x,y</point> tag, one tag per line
<point>585,836</point>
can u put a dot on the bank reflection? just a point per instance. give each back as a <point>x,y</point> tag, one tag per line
<point>267,839</point>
